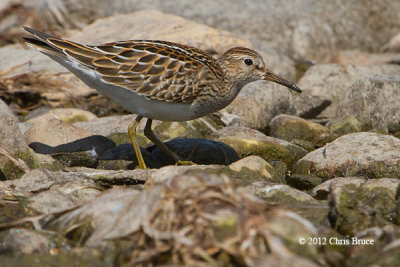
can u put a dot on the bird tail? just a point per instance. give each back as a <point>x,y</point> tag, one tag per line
<point>67,50</point>
<point>39,40</point>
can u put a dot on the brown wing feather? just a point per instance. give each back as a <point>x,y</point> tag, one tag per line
<point>156,69</point>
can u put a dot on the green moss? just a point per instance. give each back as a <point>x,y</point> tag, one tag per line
<point>167,130</point>
<point>11,171</point>
<point>267,150</point>
<point>75,118</point>
<point>123,138</point>
<point>225,227</point>
<point>345,125</point>
<point>362,208</point>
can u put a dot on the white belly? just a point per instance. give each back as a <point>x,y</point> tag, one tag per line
<point>153,109</point>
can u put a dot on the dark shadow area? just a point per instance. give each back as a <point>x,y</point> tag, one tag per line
<point>98,142</point>
<point>314,112</point>
<point>197,150</point>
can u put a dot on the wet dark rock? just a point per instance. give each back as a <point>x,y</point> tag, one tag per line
<point>303,182</point>
<point>259,102</point>
<point>74,159</point>
<point>325,84</point>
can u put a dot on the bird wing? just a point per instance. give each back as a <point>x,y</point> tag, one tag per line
<point>158,70</point>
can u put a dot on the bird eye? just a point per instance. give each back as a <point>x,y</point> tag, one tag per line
<point>248,61</point>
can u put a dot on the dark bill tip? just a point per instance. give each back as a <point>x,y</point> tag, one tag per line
<point>270,76</point>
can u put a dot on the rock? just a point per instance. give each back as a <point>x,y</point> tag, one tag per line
<point>366,154</point>
<point>303,182</point>
<point>67,115</point>
<point>255,164</point>
<point>4,109</point>
<point>54,132</point>
<point>373,101</point>
<point>40,180</point>
<point>290,226</point>
<point>10,137</point>
<point>292,199</point>
<point>352,203</point>
<point>283,261</point>
<point>386,243</point>
<point>54,136</point>
<point>25,241</point>
<point>110,125</point>
<point>322,191</point>
<point>393,45</point>
<point>109,178</point>
<point>60,197</point>
<point>247,142</point>
<point>361,58</point>
<point>145,25</point>
<point>281,170</point>
<point>124,214</point>
<point>288,128</point>
<point>259,102</point>
<point>345,125</point>
<point>240,178</point>
<point>324,86</point>
<point>79,158</point>
<point>16,158</point>
<point>41,74</point>
<point>300,29</point>
<point>280,194</point>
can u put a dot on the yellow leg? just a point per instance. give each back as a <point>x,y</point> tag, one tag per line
<point>152,137</point>
<point>132,134</point>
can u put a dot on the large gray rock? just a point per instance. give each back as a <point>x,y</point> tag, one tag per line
<point>367,154</point>
<point>259,102</point>
<point>54,135</point>
<point>374,101</point>
<point>310,29</point>
<point>16,157</point>
<point>247,142</point>
<point>288,128</point>
<point>324,86</point>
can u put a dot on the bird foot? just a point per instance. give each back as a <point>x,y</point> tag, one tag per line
<point>184,163</point>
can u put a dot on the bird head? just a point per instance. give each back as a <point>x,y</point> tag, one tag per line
<point>245,65</point>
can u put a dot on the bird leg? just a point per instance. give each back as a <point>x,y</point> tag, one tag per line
<point>152,137</point>
<point>132,134</point>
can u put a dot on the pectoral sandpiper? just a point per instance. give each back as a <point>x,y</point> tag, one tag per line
<point>158,79</point>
